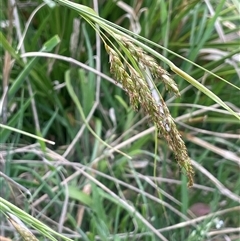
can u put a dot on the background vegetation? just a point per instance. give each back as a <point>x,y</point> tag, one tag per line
<point>79,187</point>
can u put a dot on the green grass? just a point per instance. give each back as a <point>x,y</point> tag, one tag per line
<point>86,187</point>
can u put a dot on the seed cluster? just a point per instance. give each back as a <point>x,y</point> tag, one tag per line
<point>140,95</point>
<point>157,71</point>
<point>24,232</point>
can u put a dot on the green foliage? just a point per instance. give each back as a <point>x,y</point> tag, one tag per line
<point>109,176</point>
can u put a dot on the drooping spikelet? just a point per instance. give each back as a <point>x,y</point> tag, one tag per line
<point>140,94</point>
<point>156,70</point>
<point>23,231</point>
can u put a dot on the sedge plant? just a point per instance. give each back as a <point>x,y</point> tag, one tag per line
<point>132,63</point>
